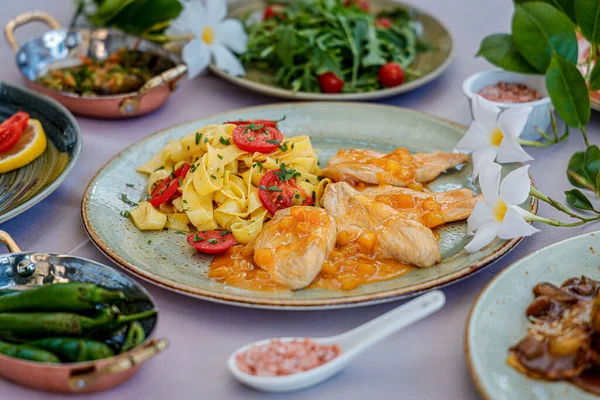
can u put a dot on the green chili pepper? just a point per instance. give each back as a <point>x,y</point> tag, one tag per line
<point>72,296</point>
<point>23,326</point>
<point>4,292</point>
<point>74,349</point>
<point>27,352</point>
<point>135,337</point>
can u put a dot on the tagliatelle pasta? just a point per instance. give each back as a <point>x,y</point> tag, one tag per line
<point>221,188</point>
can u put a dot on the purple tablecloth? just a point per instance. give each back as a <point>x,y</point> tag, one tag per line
<point>426,361</point>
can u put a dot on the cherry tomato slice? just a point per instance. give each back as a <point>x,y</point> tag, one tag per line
<point>273,11</point>
<point>383,23</point>
<point>211,242</point>
<point>330,83</point>
<point>391,74</point>
<point>257,138</point>
<point>277,195</point>
<point>266,122</point>
<point>21,118</point>
<point>362,4</point>
<point>11,130</point>
<point>166,189</point>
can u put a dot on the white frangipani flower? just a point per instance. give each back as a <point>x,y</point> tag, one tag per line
<point>493,136</point>
<point>214,36</point>
<point>500,214</point>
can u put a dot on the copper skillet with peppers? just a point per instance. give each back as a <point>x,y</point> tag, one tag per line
<point>277,189</point>
<point>71,325</point>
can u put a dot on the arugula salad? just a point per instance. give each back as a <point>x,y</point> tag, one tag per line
<point>333,46</point>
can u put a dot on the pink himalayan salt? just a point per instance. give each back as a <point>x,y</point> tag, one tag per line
<point>278,358</point>
<point>504,92</point>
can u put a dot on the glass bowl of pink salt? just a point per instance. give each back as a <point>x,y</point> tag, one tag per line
<point>510,89</point>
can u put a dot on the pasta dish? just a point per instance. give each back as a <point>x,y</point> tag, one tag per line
<point>275,221</point>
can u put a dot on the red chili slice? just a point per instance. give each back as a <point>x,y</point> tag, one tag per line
<point>11,130</point>
<point>265,122</point>
<point>166,189</point>
<point>211,242</point>
<point>257,138</point>
<point>277,195</point>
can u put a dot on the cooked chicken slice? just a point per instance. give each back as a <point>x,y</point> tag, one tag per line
<point>383,229</point>
<point>294,244</point>
<point>398,168</point>
<point>429,166</point>
<point>429,208</point>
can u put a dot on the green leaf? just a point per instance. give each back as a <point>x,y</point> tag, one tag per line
<point>106,10</point>
<point>587,15</point>
<point>373,57</point>
<point>140,15</point>
<point>539,30</point>
<point>595,77</point>
<point>565,6</point>
<point>286,44</point>
<point>584,167</point>
<point>578,200</point>
<point>568,92</point>
<point>592,163</point>
<point>500,50</point>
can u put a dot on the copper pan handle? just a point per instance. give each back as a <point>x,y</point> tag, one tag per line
<point>171,76</point>
<point>9,242</point>
<point>25,18</point>
<point>122,364</point>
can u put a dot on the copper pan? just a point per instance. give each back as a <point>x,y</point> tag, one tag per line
<point>20,270</point>
<point>61,47</point>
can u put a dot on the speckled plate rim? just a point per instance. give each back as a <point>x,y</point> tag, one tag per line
<point>281,304</point>
<point>523,260</point>
<point>373,95</point>
<point>68,169</point>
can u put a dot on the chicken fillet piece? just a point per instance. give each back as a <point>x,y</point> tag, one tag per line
<point>294,244</point>
<point>396,237</point>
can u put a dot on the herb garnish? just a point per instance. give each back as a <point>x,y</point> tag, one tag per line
<point>286,173</point>
<point>198,137</point>
<point>224,141</point>
<point>126,200</point>
<point>274,189</point>
<point>125,213</point>
<point>212,241</point>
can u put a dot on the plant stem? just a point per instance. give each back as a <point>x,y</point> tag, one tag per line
<point>533,143</point>
<point>555,222</point>
<point>560,207</point>
<point>585,137</point>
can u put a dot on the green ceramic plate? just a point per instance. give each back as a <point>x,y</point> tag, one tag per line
<point>164,258</point>
<point>498,321</point>
<point>429,64</point>
<point>27,186</point>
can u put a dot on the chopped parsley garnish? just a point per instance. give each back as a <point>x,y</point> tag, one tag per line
<point>184,201</point>
<point>159,168</point>
<point>149,241</point>
<point>205,140</point>
<point>292,146</point>
<point>286,173</point>
<point>314,195</point>
<point>220,156</point>
<point>198,137</point>
<point>250,139</point>
<point>253,127</point>
<point>180,181</point>
<point>257,164</point>
<point>319,178</point>
<point>197,238</point>
<point>224,233</point>
<point>280,198</point>
<point>125,213</point>
<point>274,189</point>
<point>273,141</point>
<point>214,177</point>
<point>126,200</point>
<point>262,187</point>
<point>212,241</point>
<point>129,185</point>
<point>297,196</point>
<point>224,141</point>
<point>283,147</point>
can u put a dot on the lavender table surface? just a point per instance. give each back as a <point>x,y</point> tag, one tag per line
<point>426,361</point>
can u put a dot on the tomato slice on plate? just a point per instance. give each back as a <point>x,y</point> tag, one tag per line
<point>257,138</point>
<point>166,189</point>
<point>211,242</point>
<point>11,130</point>
<point>278,190</point>
<point>266,122</point>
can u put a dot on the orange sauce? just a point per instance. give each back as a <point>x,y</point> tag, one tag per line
<point>352,263</point>
<point>427,211</point>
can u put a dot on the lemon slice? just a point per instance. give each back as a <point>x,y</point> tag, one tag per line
<point>30,146</point>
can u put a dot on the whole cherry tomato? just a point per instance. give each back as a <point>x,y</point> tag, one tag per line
<point>384,23</point>
<point>330,83</point>
<point>273,11</point>
<point>362,4</point>
<point>391,74</point>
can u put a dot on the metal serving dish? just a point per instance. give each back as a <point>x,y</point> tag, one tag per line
<point>60,47</point>
<point>21,270</point>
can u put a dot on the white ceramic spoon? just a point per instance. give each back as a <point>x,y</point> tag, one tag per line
<point>352,343</point>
